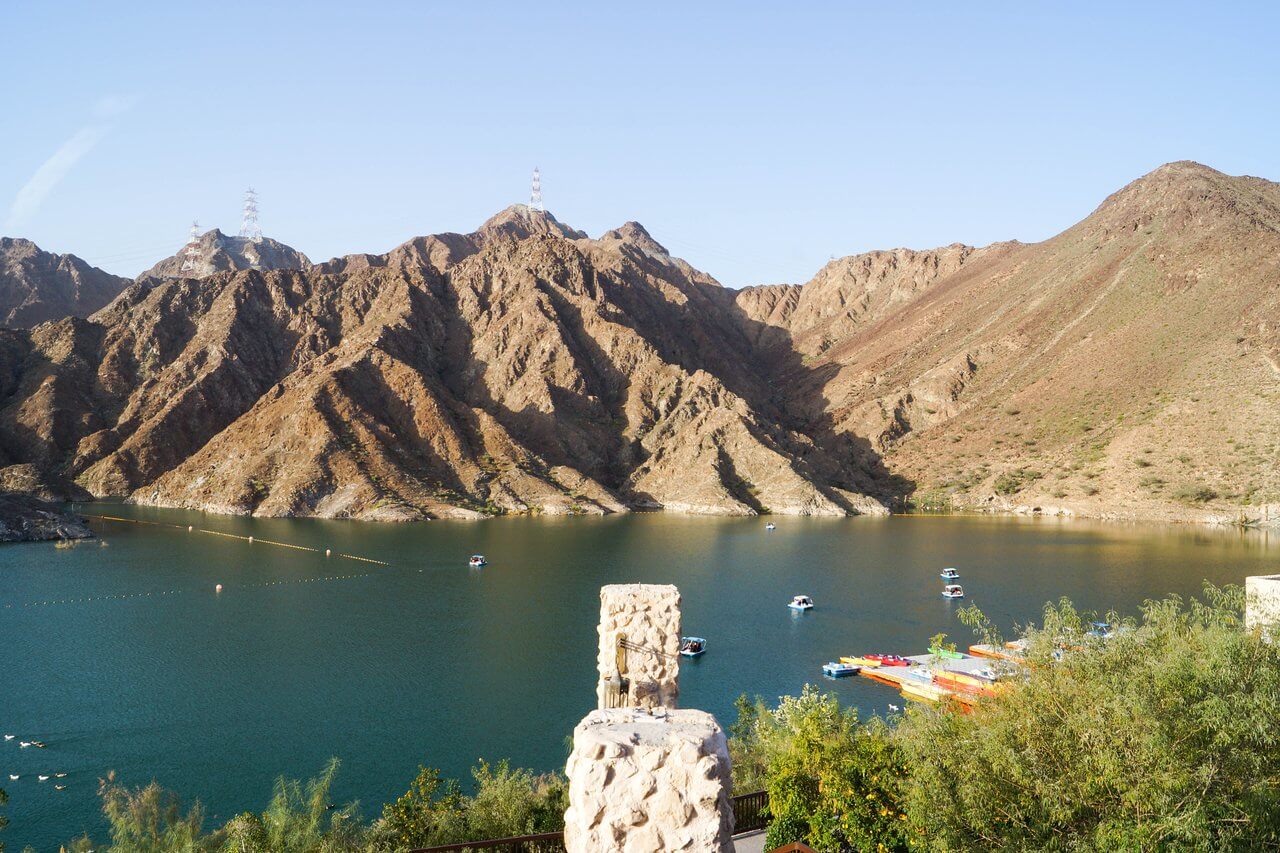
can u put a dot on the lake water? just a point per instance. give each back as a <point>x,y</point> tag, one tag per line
<point>124,658</point>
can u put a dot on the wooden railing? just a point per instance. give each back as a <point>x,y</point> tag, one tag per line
<point>749,814</point>
<point>547,842</point>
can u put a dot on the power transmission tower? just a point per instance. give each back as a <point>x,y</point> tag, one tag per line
<point>535,197</point>
<point>249,229</point>
<point>191,254</point>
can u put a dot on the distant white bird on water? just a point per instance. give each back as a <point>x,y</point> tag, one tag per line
<point>60,775</point>
<point>59,787</point>
<point>24,743</point>
<point>13,777</point>
<point>42,778</point>
<point>8,737</point>
<point>894,708</point>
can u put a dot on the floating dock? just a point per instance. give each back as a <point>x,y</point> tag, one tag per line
<point>961,680</point>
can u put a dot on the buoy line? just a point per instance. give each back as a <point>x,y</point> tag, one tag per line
<point>128,596</point>
<point>249,539</point>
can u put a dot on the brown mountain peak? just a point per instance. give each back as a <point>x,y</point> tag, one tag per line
<point>520,221</point>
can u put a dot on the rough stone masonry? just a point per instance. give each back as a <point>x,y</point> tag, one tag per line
<point>644,776</point>
<point>648,616</point>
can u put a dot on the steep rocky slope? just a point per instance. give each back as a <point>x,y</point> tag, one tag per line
<point>36,286</point>
<point>1126,368</point>
<point>220,252</point>
<point>523,367</point>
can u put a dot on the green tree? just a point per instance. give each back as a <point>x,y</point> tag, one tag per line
<point>150,819</point>
<point>832,783</point>
<point>1160,736</point>
<point>431,810</point>
<point>300,819</point>
<point>4,821</point>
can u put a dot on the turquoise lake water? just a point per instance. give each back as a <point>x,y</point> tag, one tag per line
<point>124,657</point>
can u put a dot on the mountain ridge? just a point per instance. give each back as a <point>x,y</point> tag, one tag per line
<point>527,367</point>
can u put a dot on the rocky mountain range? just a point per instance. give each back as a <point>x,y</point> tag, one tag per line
<point>1129,366</point>
<point>36,285</point>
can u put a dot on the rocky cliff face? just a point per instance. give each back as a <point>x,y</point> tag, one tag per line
<point>36,286</point>
<point>522,367</point>
<point>1126,367</point>
<point>220,252</point>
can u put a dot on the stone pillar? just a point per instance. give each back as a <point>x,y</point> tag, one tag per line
<point>644,781</point>
<point>648,615</point>
<point>1262,603</point>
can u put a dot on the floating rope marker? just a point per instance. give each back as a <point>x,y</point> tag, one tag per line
<point>190,527</point>
<point>327,551</point>
<point>250,540</point>
<point>218,588</point>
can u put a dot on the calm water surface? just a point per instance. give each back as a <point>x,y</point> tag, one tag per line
<point>426,661</point>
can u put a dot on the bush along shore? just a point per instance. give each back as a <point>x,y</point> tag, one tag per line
<point>1160,735</point>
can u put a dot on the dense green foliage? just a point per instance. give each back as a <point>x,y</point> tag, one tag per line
<point>301,819</point>
<point>1160,736</point>
<point>4,821</point>
<point>507,802</point>
<point>831,782</point>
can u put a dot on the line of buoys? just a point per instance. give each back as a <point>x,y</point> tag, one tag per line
<point>122,596</point>
<point>126,596</point>
<point>191,528</point>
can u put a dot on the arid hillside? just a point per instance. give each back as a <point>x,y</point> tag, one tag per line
<point>1128,367</point>
<point>36,285</point>
<point>519,368</point>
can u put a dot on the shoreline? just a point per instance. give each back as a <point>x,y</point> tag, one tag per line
<point>1267,516</point>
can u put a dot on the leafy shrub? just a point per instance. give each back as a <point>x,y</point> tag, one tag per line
<point>832,783</point>
<point>1011,482</point>
<point>1195,494</point>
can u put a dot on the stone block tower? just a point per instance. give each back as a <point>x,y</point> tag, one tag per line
<point>644,776</point>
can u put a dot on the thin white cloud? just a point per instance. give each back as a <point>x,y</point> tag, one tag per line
<point>54,169</point>
<point>110,106</point>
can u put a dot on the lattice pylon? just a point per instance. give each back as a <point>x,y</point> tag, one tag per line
<point>191,254</point>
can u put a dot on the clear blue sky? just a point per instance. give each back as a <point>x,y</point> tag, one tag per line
<point>755,140</point>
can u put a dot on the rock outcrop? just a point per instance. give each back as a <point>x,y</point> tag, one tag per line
<point>218,252</point>
<point>27,519</point>
<point>36,285</point>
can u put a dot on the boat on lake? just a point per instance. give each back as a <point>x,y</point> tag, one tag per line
<point>801,602</point>
<point>771,526</point>
<point>692,647</point>
<point>949,574</point>
<point>477,560</point>
<point>953,590</point>
<point>890,660</point>
<point>837,669</point>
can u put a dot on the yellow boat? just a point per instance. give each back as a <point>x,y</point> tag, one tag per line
<point>860,661</point>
